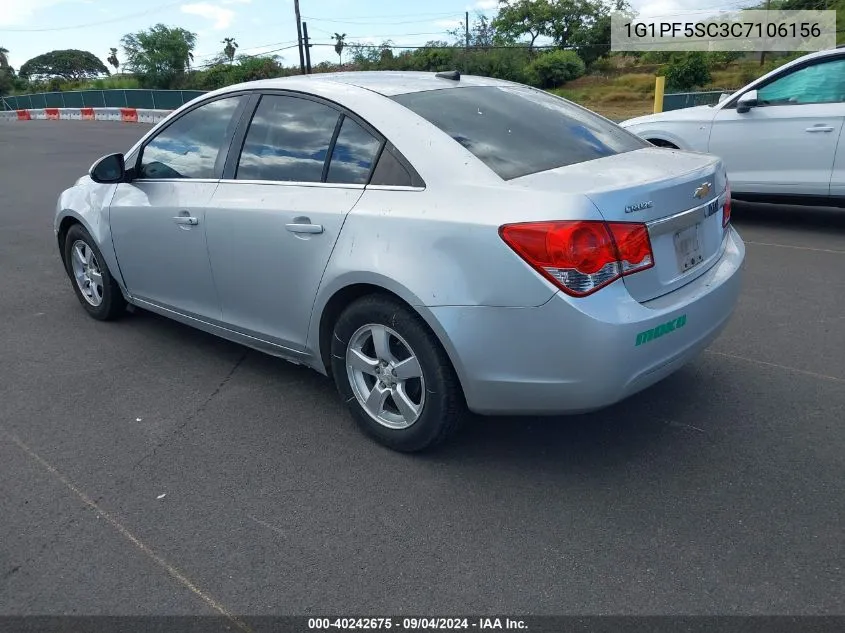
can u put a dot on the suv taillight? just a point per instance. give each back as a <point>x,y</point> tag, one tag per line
<point>726,210</point>
<point>581,256</point>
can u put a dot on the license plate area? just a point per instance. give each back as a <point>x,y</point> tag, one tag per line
<point>688,247</point>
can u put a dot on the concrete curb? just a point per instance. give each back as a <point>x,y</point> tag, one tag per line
<point>124,115</point>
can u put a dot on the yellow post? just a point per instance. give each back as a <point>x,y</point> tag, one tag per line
<point>659,85</point>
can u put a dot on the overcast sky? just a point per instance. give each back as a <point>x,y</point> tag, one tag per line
<point>31,27</point>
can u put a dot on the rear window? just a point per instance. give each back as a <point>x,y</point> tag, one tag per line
<point>518,131</point>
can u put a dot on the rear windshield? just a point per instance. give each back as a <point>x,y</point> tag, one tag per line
<point>518,131</point>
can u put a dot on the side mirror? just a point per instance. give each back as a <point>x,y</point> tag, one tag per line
<point>746,101</point>
<point>109,169</point>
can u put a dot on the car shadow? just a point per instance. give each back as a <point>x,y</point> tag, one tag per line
<point>629,432</point>
<point>774,215</point>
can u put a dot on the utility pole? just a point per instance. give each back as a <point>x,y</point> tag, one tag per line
<point>299,36</point>
<point>763,52</point>
<point>466,43</point>
<point>307,48</point>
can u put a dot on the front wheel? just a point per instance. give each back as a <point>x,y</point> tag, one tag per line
<point>95,288</point>
<point>395,376</point>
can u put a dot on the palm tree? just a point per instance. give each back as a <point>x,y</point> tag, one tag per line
<point>4,59</point>
<point>112,59</point>
<point>339,44</point>
<point>229,49</point>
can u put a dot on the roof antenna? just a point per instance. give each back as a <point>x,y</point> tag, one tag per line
<point>454,75</point>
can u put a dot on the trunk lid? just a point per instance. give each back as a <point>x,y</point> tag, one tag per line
<point>678,194</point>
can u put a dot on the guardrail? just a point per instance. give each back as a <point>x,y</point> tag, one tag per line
<point>141,99</point>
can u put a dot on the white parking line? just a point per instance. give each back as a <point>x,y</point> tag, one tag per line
<point>786,367</point>
<point>798,248</point>
<point>146,550</point>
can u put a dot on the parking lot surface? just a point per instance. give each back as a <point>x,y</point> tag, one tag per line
<point>148,468</point>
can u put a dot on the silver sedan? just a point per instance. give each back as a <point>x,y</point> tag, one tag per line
<point>437,244</point>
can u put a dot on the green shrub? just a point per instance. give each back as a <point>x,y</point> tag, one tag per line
<point>716,59</point>
<point>602,67</point>
<point>687,71</point>
<point>555,68</point>
<point>656,57</point>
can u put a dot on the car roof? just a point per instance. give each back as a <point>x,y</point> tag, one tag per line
<point>384,82</point>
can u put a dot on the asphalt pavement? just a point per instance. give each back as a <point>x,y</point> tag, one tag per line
<point>148,468</point>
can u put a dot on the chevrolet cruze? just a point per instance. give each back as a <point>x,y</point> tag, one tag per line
<point>437,244</point>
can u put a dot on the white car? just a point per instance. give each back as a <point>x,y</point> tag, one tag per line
<point>779,136</point>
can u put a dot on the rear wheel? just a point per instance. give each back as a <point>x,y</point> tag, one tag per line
<point>395,376</point>
<point>95,288</point>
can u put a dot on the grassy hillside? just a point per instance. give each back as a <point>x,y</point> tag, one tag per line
<point>629,92</point>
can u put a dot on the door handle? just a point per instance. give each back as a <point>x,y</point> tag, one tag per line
<point>302,227</point>
<point>186,220</point>
<point>819,128</point>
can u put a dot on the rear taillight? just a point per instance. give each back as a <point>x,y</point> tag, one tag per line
<point>726,210</point>
<point>581,256</point>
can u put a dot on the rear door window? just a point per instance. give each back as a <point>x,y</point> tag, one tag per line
<point>288,140</point>
<point>518,131</point>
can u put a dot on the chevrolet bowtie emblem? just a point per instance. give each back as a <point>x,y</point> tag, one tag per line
<point>702,191</point>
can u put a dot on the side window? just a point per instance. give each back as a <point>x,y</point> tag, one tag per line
<point>819,83</point>
<point>390,171</point>
<point>193,146</point>
<point>353,155</point>
<point>288,140</point>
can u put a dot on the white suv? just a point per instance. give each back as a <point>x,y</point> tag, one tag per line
<point>779,136</point>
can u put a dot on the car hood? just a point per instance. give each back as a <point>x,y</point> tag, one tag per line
<point>695,113</point>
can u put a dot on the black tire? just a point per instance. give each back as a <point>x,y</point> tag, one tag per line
<point>662,143</point>
<point>443,409</point>
<point>113,304</point>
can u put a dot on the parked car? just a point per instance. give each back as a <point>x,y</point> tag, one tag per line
<point>435,243</point>
<point>779,136</point>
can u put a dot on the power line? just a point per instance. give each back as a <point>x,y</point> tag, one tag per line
<point>251,48</point>
<point>84,26</point>
<point>364,23</point>
<point>276,50</point>
<point>369,19</point>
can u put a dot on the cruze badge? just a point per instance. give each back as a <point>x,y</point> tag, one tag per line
<point>639,206</point>
<point>702,191</point>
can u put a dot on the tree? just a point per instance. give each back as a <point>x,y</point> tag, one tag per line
<point>569,19</point>
<point>482,33</point>
<point>69,64</point>
<point>592,40</point>
<point>230,48</point>
<point>365,57</point>
<point>686,71</point>
<point>113,60</point>
<point>4,57</point>
<point>340,42</point>
<point>523,17</point>
<point>7,80</point>
<point>161,54</point>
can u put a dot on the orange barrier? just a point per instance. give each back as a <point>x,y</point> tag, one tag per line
<point>87,114</point>
<point>23,115</point>
<point>52,113</point>
<point>129,115</point>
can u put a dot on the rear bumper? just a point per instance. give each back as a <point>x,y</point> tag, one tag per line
<point>576,355</point>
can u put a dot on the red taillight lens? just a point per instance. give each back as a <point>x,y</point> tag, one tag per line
<point>633,245</point>
<point>726,210</point>
<point>581,256</point>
